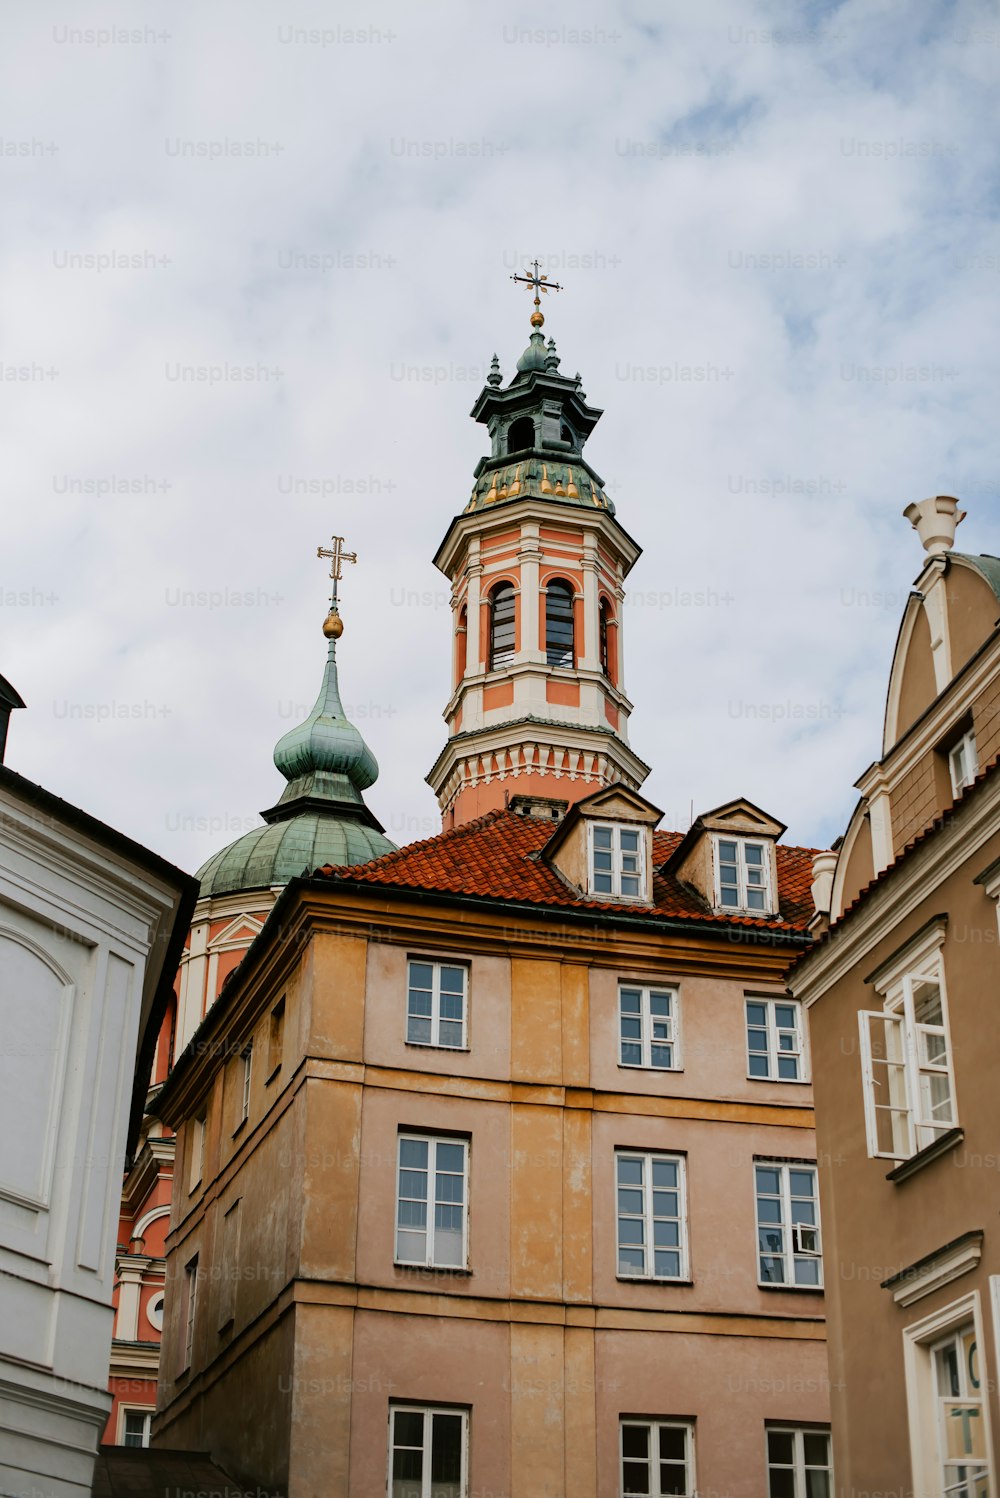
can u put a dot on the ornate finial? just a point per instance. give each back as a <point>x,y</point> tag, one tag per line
<point>538,284</point>
<point>551,357</point>
<point>494,377</point>
<point>333,625</point>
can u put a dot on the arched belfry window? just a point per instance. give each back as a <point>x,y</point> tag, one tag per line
<point>521,434</point>
<point>501,625</point>
<point>559,624</point>
<point>605,620</point>
<point>461,644</point>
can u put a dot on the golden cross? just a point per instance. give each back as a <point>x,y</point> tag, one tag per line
<point>337,556</point>
<point>538,284</point>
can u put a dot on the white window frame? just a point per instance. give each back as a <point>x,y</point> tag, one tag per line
<point>232,1226</point>
<point>799,1469</point>
<point>655,1425</point>
<point>246,1058</point>
<point>794,1235</point>
<point>196,1164</point>
<point>617,873</point>
<point>920,1341</point>
<point>154,1310</point>
<point>963,763</point>
<point>190,1309</point>
<point>429,1230</point>
<point>743,885</point>
<point>435,1042</point>
<point>648,1157</point>
<point>428,1411</point>
<point>908,1055</point>
<point>147,1411</point>
<point>647,1026</point>
<point>774,1031</point>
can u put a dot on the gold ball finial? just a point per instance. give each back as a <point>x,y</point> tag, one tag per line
<point>333,625</point>
<point>537,319</point>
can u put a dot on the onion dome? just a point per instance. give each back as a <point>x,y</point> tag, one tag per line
<point>321,817</point>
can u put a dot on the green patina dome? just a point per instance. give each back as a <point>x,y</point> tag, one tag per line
<point>321,817</point>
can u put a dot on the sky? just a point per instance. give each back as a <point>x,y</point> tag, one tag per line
<point>256,258</point>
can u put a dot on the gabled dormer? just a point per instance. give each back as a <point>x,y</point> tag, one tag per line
<point>728,858</point>
<point>603,847</point>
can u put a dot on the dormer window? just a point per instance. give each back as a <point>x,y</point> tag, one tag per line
<point>742,876</point>
<point>616,861</point>
<point>963,763</point>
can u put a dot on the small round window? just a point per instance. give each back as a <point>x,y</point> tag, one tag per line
<point>154,1312</point>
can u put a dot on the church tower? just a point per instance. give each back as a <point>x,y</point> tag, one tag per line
<point>537,563</point>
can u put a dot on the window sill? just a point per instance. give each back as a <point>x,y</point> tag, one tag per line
<point>640,1066</point>
<point>428,1045</point>
<point>650,1279</point>
<point>240,1127</point>
<point>268,1080</point>
<point>930,1152</point>
<point>781,1081</point>
<point>792,1289</point>
<point>451,1269</point>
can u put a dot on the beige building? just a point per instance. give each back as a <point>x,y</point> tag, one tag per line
<point>906,1054</point>
<point>495,1157</point>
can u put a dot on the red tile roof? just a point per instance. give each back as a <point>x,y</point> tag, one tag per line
<point>496,857</point>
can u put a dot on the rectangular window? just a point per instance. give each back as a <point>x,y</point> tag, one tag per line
<point>276,1039</point>
<point>960,1424</point>
<point>963,762</point>
<point>799,1463</point>
<point>436,1005</point>
<point>774,1040</point>
<point>789,1249</point>
<point>617,863</point>
<point>657,1458</point>
<point>907,1076</point>
<point>136,1426</point>
<point>190,1308</point>
<point>230,1264</point>
<point>432,1202</point>
<point>652,1225</point>
<point>428,1452</point>
<point>196,1163</point>
<point>742,876</point>
<point>246,1063</point>
<point>648,1033</point>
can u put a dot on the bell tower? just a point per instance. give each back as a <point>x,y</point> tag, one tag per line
<point>537,563</point>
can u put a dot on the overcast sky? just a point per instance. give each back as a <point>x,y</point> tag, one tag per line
<point>256,259</point>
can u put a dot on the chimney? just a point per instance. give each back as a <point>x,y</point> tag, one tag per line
<point>824,868</point>
<point>935,520</point>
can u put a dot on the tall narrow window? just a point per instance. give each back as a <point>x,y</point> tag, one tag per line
<point>789,1251</point>
<point>657,1458</point>
<point>799,1464</point>
<point>648,1027</point>
<point>501,626</point>
<point>961,1427</point>
<point>428,1452</point>
<point>774,1040</point>
<point>963,763</point>
<point>559,649</point>
<point>461,645</point>
<point>196,1159</point>
<point>135,1427</point>
<point>604,621</point>
<point>246,1063</point>
<point>190,1308</point>
<point>652,1229</point>
<point>431,1201</point>
<point>276,1039</point>
<point>436,1003</point>
<point>230,1264</point>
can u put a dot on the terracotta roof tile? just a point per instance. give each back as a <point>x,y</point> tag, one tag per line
<point>496,857</point>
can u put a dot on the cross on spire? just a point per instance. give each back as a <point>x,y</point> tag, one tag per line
<point>337,556</point>
<point>538,283</point>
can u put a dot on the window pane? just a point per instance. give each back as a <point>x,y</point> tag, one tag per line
<point>817,1448</point>
<point>668,1265</point>
<point>629,1171</point>
<point>664,1172</point>
<point>635,1441</point>
<point>781,1483</point>
<point>413,1152</point>
<point>802,1183</point>
<point>420,1002</point>
<point>784,1015</point>
<point>418,1031</point>
<point>817,1485</point>
<point>630,885</point>
<point>446,1448</point>
<point>631,1028</point>
<point>408,1428</point>
<point>635,1478</point>
<point>420,975</point>
<point>631,1001</point>
<point>629,841</point>
<point>659,1003</point>
<point>769,1180</point>
<point>661,1055</point>
<point>631,1054</point>
<point>450,1157</point>
<point>788,1068</point>
<point>602,837</point>
<point>451,1034</point>
<point>452,980</point>
<point>757,1040</point>
<point>759,1066</point>
<point>807,1271</point>
<point>672,1443</point>
<point>753,852</point>
<point>780,1446</point>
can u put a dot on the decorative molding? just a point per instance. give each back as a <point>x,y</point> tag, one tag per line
<point>936,1269</point>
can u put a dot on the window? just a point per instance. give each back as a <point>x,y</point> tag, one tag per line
<point>559,625</point>
<point>652,1231</point>
<point>648,1027</point>
<point>799,1463</point>
<point>520,434</point>
<point>963,763</point>
<point>604,621</point>
<point>461,645</point>
<point>246,1062</point>
<point>774,1040</point>
<point>657,1458</point>
<point>276,1038</point>
<point>197,1157</point>
<point>431,1215</point>
<point>190,1308</point>
<point>135,1427</point>
<point>230,1264</point>
<point>906,1064</point>
<point>428,1452</point>
<point>436,1005</point>
<point>617,863</point>
<point>960,1424</point>
<point>154,1312</point>
<point>742,876</point>
<point>789,1250</point>
<point>501,626</point>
